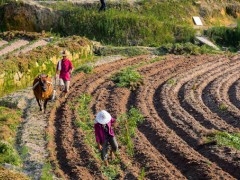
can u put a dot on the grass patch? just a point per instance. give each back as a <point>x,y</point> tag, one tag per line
<point>185,48</point>
<point>111,172</point>
<point>156,59</point>
<point>222,107</point>
<point>84,68</point>
<point>128,77</point>
<point>171,81</point>
<point>226,36</point>
<point>148,23</point>
<point>9,120</point>
<point>8,154</point>
<point>226,139</point>
<point>124,51</point>
<point>46,172</point>
<point>6,174</point>
<point>142,174</point>
<point>128,123</point>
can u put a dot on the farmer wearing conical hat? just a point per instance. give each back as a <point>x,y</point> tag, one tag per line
<point>64,69</point>
<point>104,134</point>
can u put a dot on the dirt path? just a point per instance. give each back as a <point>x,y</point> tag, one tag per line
<point>11,47</point>
<point>36,44</point>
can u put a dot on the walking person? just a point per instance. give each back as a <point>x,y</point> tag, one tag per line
<point>105,135</point>
<point>103,5</point>
<point>64,69</point>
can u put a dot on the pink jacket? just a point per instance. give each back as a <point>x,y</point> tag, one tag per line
<point>99,130</point>
<point>66,66</point>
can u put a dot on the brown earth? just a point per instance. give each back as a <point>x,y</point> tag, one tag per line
<point>180,102</point>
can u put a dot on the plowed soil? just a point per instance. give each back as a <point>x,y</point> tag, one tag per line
<point>180,101</point>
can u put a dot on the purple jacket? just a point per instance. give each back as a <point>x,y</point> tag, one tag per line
<point>99,131</point>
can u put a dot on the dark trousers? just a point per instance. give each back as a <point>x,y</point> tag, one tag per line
<point>105,146</point>
<point>103,5</point>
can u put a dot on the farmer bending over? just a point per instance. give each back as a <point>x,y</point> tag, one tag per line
<point>64,68</point>
<point>105,135</point>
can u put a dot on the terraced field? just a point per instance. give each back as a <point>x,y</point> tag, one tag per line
<point>181,101</point>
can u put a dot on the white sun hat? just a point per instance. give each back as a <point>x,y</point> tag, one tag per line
<point>103,117</point>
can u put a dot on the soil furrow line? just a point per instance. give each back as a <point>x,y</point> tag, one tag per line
<point>65,131</point>
<point>152,161</point>
<point>190,99</point>
<point>188,127</point>
<point>180,116</point>
<point>166,141</point>
<point>210,101</point>
<point>103,95</point>
<point>234,94</point>
<point>220,92</point>
<point>154,135</point>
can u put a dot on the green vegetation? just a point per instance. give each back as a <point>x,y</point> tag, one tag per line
<point>142,175</point>
<point>226,36</point>
<point>128,77</point>
<point>185,48</point>
<point>84,68</point>
<point>125,51</point>
<point>128,123</point>
<point>223,107</point>
<point>9,120</point>
<point>171,82</point>
<point>150,23</point>
<point>46,172</point>
<point>226,139</point>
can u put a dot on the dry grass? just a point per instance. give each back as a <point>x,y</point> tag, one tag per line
<point>9,175</point>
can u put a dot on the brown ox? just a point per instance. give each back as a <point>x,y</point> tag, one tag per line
<point>43,90</point>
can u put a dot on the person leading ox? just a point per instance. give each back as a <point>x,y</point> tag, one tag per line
<point>64,69</point>
<point>105,135</point>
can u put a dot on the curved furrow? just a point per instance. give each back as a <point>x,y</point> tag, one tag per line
<point>185,123</point>
<point>100,97</point>
<point>238,91</point>
<point>131,170</point>
<point>188,161</point>
<point>74,155</point>
<point>190,99</point>
<point>92,83</point>
<point>166,141</point>
<point>188,128</point>
<point>225,161</point>
<point>211,101</point>
<point>115,103</point>
<point>70,139</point>
<point>154,164</point>
<point>219,90</point>
<point>234,94</point>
